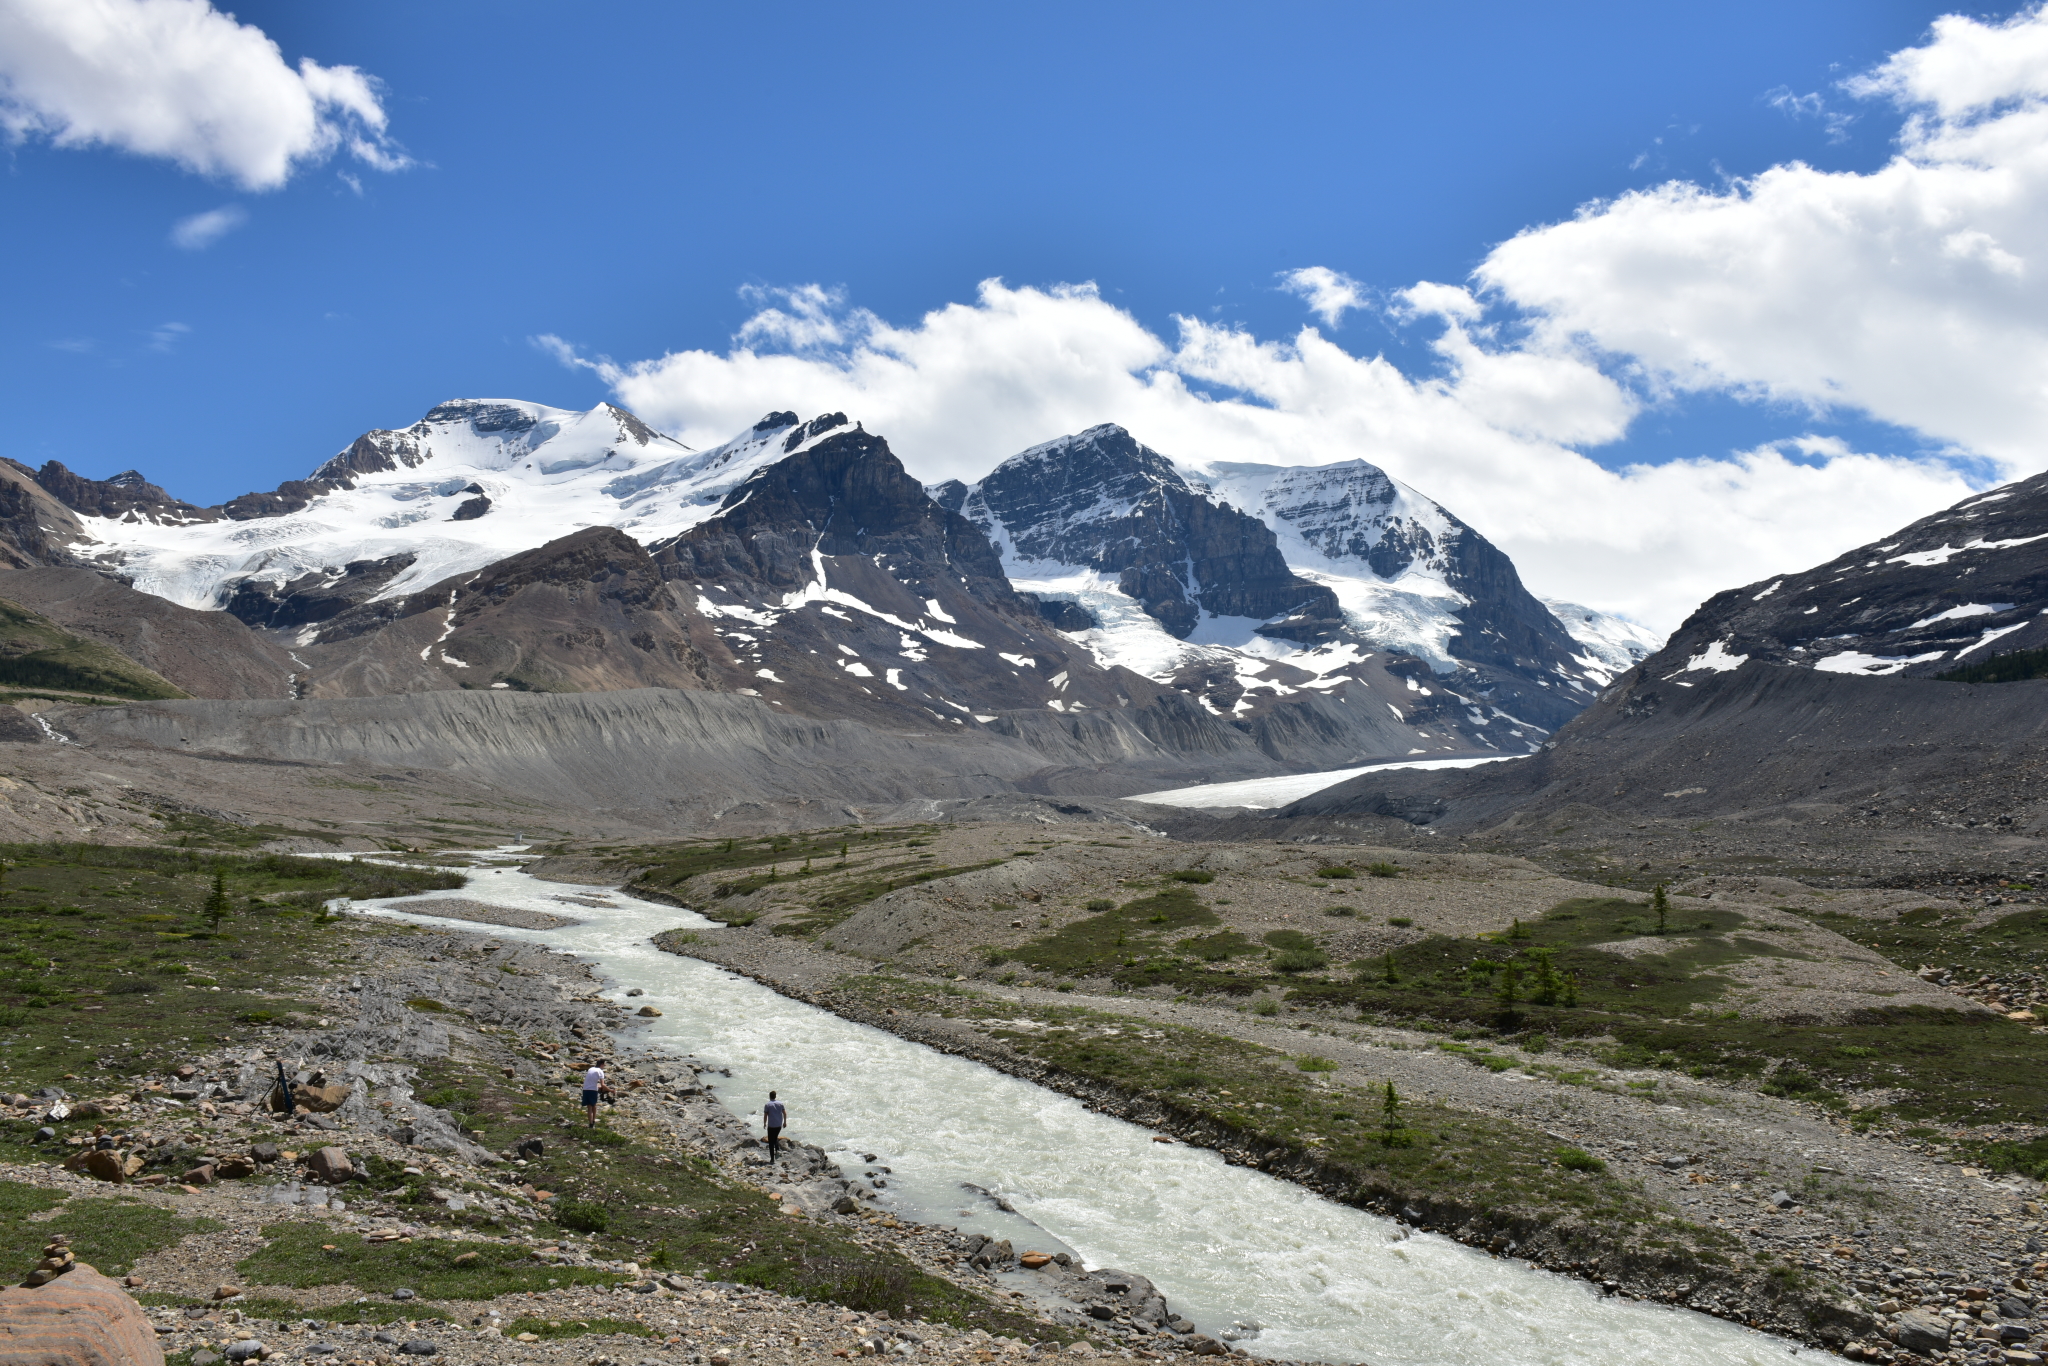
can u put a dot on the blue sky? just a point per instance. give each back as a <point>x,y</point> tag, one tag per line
<point>615,175</point>
<point>635,201</point>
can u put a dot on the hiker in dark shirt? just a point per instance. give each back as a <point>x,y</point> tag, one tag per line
<point>284,1088</point>
<point>774,1116</point>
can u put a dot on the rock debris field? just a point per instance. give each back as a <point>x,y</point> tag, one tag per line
<point>368,1169</point>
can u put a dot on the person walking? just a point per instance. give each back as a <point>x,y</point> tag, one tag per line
<point>286,1100</point>
<point>775,1117</point>
<point>593,1089</point>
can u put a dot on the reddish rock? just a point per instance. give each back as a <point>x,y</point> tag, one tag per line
<point>199,1176</point>
<point>319,1100</point>
<point>79,1319</point>
<point>234,1168</point>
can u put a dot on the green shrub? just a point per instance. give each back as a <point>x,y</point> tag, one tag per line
<point>1336,870</point>
<point>1579,1160</point>
<point>585,1216</point>
<point>1102,903</point>
<point>1300,960</point>
<point>1403,921</point>
<point>1309,1062</point>
<point>867,1286</point>
<point>1340,910</point>
<point>1382,869</point>
<point>1265,1005</point>
<point>1194,875</point>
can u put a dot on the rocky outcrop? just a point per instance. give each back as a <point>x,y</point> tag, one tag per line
<point>126,495</point>
<point>1101,499</point>
<point>846,495</point>
<point>314,597</point>
<point>35,528</point>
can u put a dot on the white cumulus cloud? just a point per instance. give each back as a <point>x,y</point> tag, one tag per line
<point>1917,293</point>
<point>180,80</point>
<point>1329,294</point>
<point>202,230</point>
<point>969,384</point>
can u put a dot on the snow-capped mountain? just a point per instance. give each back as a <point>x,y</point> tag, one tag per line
<point>1227,578</point>
<point>470,483</point>
<point>502,544</point>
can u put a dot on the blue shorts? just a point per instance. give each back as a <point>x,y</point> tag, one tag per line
<point>589,1098</point>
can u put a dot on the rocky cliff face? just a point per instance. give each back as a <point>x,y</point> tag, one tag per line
<point>36,528</point>
<point>1277,579</point>
<point>1101,501</point>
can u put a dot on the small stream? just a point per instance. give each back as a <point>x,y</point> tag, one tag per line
<point>1232,1249</point>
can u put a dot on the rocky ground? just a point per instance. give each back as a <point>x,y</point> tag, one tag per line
<point>301,1227</point>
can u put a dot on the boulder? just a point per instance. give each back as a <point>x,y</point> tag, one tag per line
<point>234,1168</point>
<point>248,1349</point>
<point>201,1175</point>
<point>79,1319</point>
<point>330,1164</point>
<point>320,1100</point>
<point>106,1165</point>
<point>649,1012</point>
<point>1202,1345</point>
<point>264,1152</point>
<point>1921,1332</point>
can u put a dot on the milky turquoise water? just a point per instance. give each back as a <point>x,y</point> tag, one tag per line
<point>1227,1246</point>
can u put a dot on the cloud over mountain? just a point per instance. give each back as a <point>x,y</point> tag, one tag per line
<point>1911,294</point>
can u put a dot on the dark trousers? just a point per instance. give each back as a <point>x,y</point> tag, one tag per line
<point>774,1140</point>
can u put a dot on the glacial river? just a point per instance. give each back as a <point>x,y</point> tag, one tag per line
<point>1231,1249</point>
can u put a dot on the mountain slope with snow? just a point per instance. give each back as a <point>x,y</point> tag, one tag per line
<point>503,544</point>
<point>1233,580</point>
<point>1956,588</point>
<point>1614,644</point>
<point>470,483</point>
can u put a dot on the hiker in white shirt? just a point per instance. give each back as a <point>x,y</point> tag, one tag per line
<point>593,1088</point>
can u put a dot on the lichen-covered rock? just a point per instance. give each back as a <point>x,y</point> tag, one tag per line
<point>79,1319</point>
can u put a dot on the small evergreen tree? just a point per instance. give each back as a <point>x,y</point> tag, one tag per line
<point>1661,904</point>
<point>1390,976</point>
<point>1390,1114</point>
<point>1509,985</point>
<point>217,903</point>
<point>1549,984</point>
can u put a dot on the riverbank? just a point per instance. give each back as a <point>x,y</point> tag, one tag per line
<point>437,1185</point>
<point>1876,1238</point>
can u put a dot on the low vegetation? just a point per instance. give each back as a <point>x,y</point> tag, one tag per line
<point>35,652</point>
<point>1494,1169</point>
<point>111,962</point>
